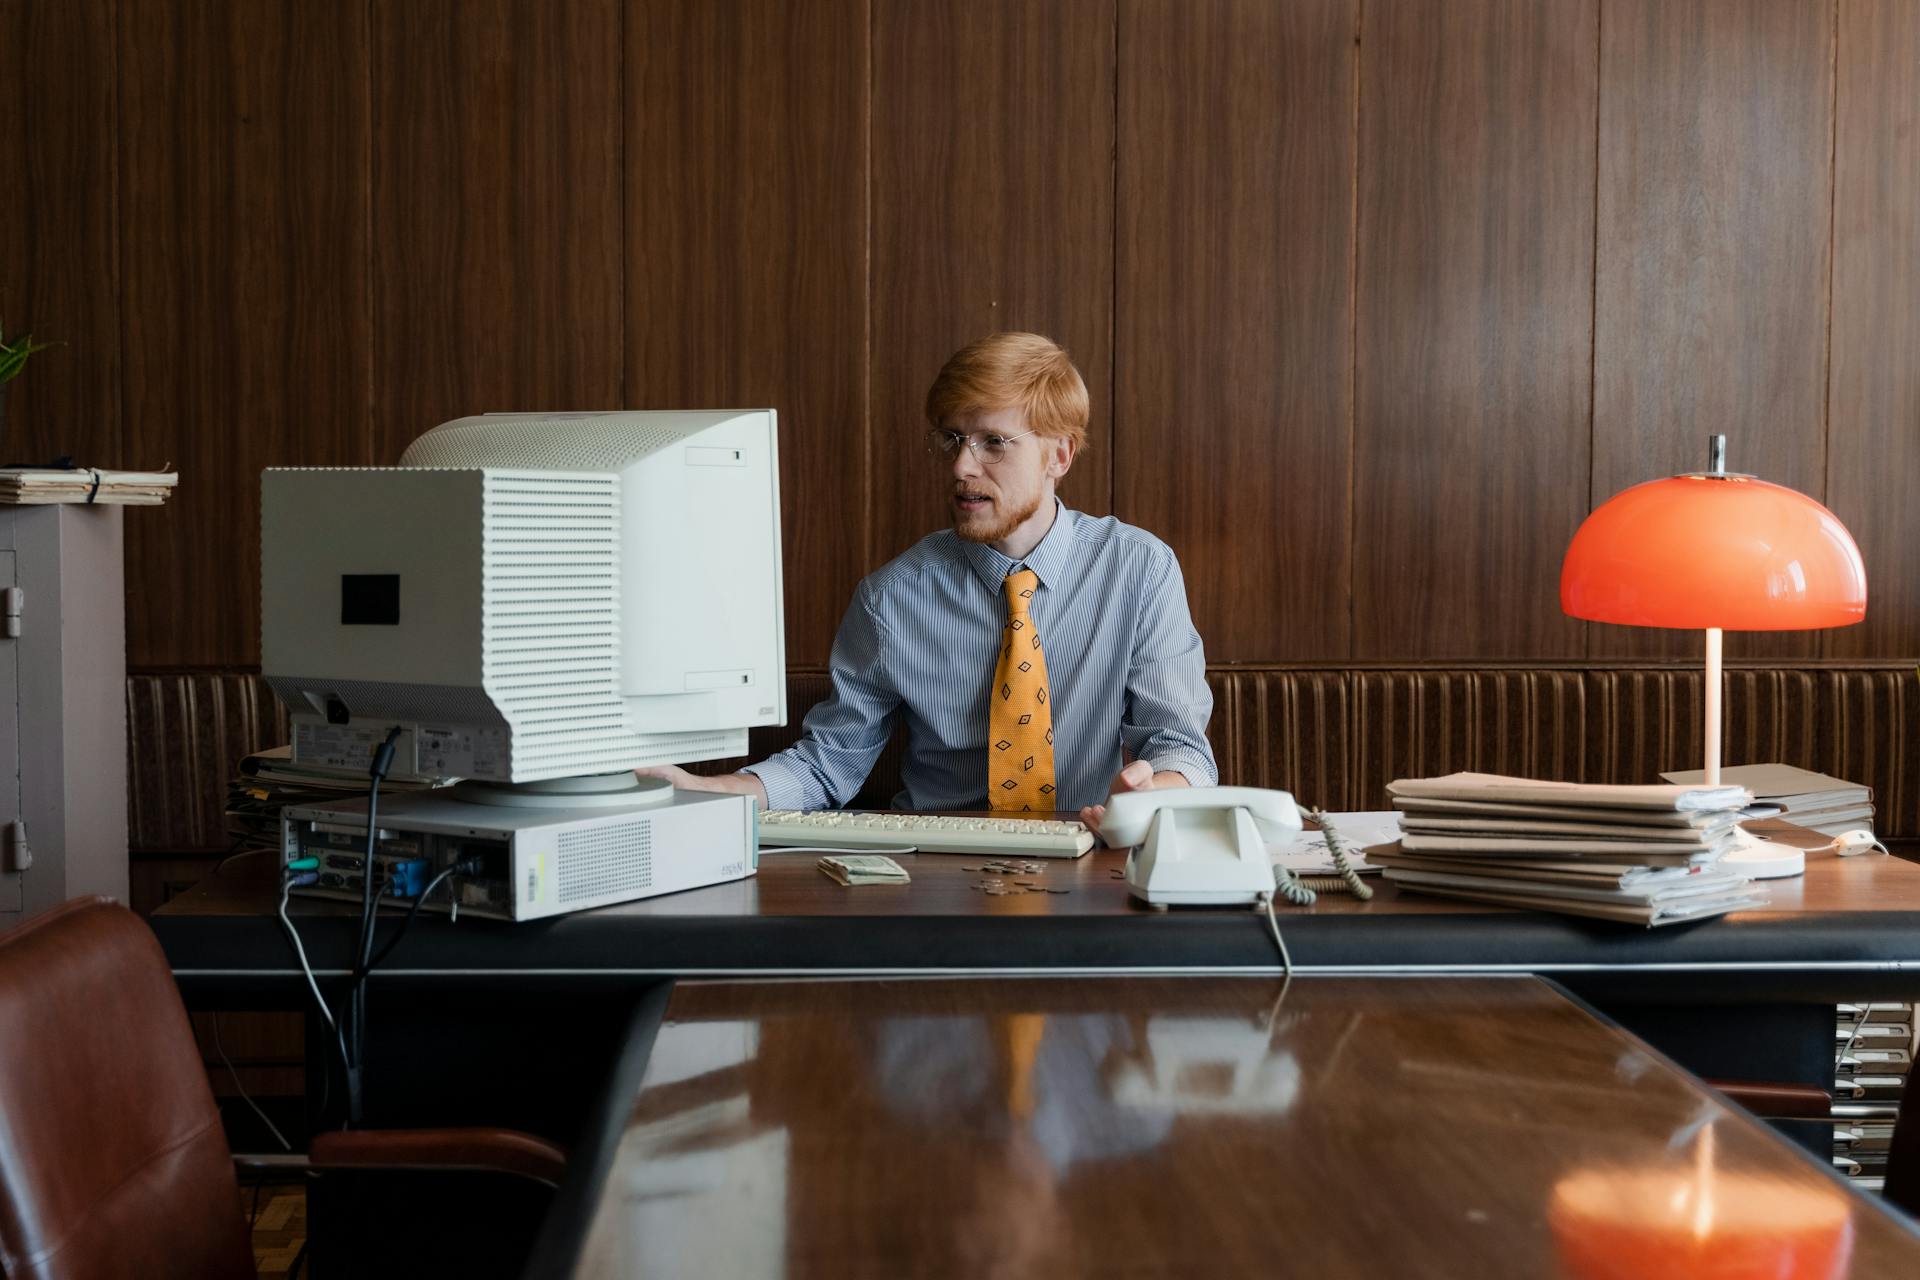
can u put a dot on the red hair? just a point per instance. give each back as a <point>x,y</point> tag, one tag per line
<point>1013,371</point>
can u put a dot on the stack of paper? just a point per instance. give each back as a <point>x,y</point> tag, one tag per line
<point>269,781</point>
<point>1815,800</point>
<point>863,868</point>
<point>1875,1052</point>
<point>34,486</point>
<point>1307,853</point>
<point>1645,854</point>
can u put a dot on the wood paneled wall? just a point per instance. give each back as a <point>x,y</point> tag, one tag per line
<point>1711,286</point>
<point>1375,299</point>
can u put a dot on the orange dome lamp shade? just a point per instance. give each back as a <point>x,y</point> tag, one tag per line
<point>1714,551</point>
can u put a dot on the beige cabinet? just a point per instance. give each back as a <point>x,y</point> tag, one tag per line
<point>63,708</point>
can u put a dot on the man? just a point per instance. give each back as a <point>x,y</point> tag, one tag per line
<point>1025,648</point>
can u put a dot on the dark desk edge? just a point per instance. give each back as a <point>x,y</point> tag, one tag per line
<point>1836,955</point>
<point>556,1250</point>
<point>1909,1226</point>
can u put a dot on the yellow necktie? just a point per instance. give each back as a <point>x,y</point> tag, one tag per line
<point>1020,727</point>
<point>1020,1044</point>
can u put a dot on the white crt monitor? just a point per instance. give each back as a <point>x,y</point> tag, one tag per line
<point>531,596</point>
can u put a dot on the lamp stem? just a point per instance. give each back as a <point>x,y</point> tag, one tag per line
<point>1712,700</point>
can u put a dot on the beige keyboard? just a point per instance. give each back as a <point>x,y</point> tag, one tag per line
<point>926,832</point>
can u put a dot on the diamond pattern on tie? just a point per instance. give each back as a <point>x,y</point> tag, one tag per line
<point>1020,763</point>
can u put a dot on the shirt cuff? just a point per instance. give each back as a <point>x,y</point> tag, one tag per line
<point>1196,768</point>
<point>788,785</point>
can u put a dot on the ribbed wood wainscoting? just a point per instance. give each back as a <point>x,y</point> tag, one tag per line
<point>1333,736</point>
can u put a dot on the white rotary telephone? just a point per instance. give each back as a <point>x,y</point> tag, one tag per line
<point>1200,846</point>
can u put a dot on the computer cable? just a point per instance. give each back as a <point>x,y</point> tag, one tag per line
<point>245,1097</point>
<point>337,1039</point>
<point>259,1184</point>
<point>370,893</point>
<point>469,866</point>
<point>353,1022</point>
<point>235,853</point>
<point>287,886</point>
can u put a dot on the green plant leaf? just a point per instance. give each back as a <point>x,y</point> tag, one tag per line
<point>13,356</point>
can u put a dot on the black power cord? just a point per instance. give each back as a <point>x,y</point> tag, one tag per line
<point>469,866</point>
<point>370,892</point>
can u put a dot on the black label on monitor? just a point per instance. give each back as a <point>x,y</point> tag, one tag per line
<point>369,599</point>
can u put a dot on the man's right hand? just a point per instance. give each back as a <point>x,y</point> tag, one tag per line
<point>737,784</point>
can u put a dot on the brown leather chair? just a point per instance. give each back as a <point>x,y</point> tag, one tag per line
<point>112,1158</point>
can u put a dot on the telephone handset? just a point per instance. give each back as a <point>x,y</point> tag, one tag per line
<point>1200,845</point>
<point>1129,814</point>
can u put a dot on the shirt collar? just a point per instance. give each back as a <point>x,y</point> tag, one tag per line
<point>1048,560</point>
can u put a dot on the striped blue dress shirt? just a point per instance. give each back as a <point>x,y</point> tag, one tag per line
<point>918,643</point>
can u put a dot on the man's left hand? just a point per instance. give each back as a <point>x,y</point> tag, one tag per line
<point>1137,776</point>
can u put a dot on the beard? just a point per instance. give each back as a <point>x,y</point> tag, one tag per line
<point>994,523</point>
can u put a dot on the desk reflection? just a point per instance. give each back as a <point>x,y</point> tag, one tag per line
<point>1151,1126</point>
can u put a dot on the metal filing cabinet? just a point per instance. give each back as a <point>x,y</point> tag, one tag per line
<point>63,708</point>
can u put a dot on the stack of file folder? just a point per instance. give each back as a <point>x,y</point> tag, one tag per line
<point>1875,1046</point>
<point>268,781</point>
<point>1816,801</point>
<point>1642,854</point>
<point>36,486</point>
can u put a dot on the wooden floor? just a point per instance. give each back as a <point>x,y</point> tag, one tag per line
<point>280,1229</point>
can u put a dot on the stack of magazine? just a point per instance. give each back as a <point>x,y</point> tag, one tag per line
<point>1817,801</point>
<point>269,781</point>
<point>36,486</point>
<point>1642,854</point>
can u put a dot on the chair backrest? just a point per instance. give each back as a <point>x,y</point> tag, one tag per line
<point>1903,1158</point>
<point>112,1159</point>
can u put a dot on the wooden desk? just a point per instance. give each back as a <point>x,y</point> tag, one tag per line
<point>1849,928</point>
<point>1158,1126</point>
<point>1749,997</point>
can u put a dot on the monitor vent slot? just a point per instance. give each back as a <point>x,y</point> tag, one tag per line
<point>551,643</point>
<point>605,860</point>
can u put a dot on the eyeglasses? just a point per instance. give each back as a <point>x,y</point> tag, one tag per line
<point>989,447</point>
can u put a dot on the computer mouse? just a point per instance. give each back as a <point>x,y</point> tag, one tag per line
<point>1848,843</point>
